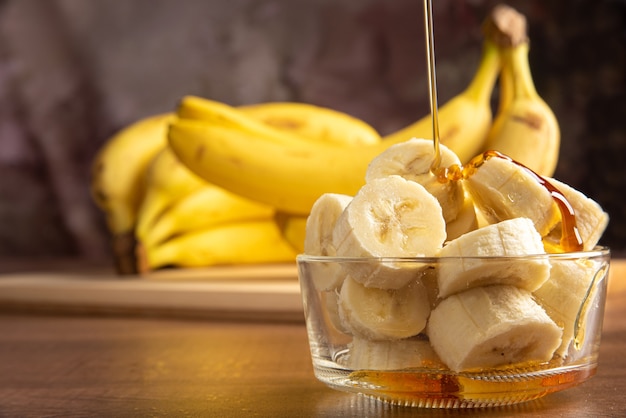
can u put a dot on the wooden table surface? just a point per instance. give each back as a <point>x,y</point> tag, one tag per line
<point>121,366</point>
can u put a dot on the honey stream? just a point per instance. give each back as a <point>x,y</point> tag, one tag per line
<point>570,237</point>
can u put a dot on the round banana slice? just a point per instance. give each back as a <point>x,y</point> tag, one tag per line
<point>492,326</point>
<point>412,160</point>
<point>591,219</point>
<point>381,314</point>
<point>319,238</point>
<point>391,355</point>
<point>389,217</point>
<point>502,190</point>
<point>514,237</point>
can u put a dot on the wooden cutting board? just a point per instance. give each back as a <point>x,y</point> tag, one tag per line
<point>269,292</point>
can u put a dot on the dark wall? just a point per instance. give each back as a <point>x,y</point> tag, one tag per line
<point>72,72</point>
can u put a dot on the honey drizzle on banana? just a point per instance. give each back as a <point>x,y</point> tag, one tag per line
<point>570,237</point>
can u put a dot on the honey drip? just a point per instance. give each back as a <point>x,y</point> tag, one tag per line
<point>432,81</point>
<point>570,237</point>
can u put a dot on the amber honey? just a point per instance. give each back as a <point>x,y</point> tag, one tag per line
<point>433,389</point>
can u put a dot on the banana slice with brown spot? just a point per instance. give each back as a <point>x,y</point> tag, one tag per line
<point>490,327</point>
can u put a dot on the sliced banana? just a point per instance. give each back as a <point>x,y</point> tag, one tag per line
<point>383,314</point>
<point>565,294</point>
<point>412,160</point>
<point>465,221</point>
<point>330,307</point>
<point>591,220</point>
<point>502,190</point>
<point>389,217</point>
<point>391,355</point>
<point>321,221</point>
<point>514,237</point>
<point>319,238</point>
<point>492,326</point>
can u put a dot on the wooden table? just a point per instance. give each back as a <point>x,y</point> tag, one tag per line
<point>121,366</point>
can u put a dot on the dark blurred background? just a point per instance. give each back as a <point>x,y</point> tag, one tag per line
<point>72,72</point>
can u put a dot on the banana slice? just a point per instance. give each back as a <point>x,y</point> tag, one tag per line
<point>381,314</point>
<point>502,190</point>
<point>391,355</point>
<point>330,308</point>
<point>565,295</point>
<point>591,220</point>
<point>514,237</point>
<point>389,217</point>
<point>492,326</point>
<point>319,238</point>
<point>412,160</point>
<point>465,221</point>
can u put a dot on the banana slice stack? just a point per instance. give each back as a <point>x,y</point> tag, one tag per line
<point>488,297</point>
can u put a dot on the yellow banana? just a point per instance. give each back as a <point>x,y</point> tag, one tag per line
<point>289,178</point>
<point>293,228</point>
<point>221,114</point>
<point>118,168</point>
<point>207,207</point>
<point>314,123</point>
<point>167,181</point>
<point>465,120</point>
<point>283,122</point>
<point>116,181</point>
<point>525,128</point>
<point>235,243</point>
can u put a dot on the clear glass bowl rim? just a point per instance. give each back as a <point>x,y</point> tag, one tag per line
<point>597,252</point>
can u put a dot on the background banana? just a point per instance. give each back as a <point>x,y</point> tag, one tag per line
<point>117,180</point>
<point>282,122</point>
<point>166,182</point>
<point>250,242</point>
<point>207,207</point>
<point>289,178</point>
<point>315,123</point>
<point>525,128</point>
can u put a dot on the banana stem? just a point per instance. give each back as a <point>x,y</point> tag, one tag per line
<point>517,60</point>
<point>481,86</point>
<point>506,85</point>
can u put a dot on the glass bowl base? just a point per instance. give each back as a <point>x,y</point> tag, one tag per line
<point>427,388</point>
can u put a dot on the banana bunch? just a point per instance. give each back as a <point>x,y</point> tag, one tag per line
<point>166,215</point>
<point>164,180</point>
<point>508,310</point>
<point>186,222</point>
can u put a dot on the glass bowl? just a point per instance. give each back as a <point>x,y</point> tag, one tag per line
<point>369,341</point>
